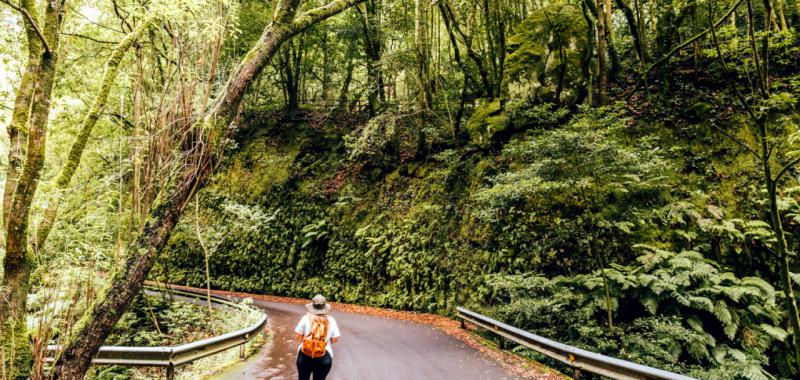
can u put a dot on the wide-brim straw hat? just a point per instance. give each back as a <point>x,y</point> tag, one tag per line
<point>318,305</point>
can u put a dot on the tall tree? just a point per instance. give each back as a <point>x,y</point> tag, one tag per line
<point>32,109</point>
<point>187,175</point>
<point>602,69</point>
<point>373,44</point>
<point>422,49</point>
<point>90,120</point>
<point>752,95</point>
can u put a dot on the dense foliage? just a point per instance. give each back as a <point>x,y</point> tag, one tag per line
<point>618,175</point>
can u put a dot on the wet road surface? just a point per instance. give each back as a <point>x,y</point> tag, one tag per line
<point>371,347</point>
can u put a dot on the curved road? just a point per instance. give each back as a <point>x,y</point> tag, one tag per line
<point>371,348</point>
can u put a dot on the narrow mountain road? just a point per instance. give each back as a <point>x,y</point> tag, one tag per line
<point>374,347</point>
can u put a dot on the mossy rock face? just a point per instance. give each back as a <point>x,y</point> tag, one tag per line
<point>488,120</point>
<point>548,41</point>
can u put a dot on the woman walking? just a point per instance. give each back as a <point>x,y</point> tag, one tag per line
<point>316,332</point>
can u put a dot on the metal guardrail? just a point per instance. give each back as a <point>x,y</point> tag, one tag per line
<point>578,359</point>
<point>174,356</point>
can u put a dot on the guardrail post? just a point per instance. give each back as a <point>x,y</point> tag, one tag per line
<point>171,372</point>
<point>241,350</point>
<point>501,342</point>
<point>576,374</point>
<point>463,324</point>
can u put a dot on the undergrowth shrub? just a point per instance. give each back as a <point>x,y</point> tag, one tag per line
<point>674,310</point>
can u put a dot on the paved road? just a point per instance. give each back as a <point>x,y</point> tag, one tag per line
<point>371,348</point>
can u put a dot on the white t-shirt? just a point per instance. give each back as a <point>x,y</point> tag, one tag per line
<point>304,328</point>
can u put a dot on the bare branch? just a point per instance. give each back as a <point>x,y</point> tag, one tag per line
<point>737,141</point>
<point>90,38</point>
<point>696,37</point>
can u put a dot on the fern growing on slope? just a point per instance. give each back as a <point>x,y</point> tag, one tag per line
<point>675,310</point>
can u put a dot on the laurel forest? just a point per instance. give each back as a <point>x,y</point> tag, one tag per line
<point>621,176</point>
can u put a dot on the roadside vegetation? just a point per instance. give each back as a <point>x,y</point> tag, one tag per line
<point>617,175</point>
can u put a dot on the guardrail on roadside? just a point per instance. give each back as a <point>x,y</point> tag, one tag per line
<point>578,359</point>
<point>174,356</point>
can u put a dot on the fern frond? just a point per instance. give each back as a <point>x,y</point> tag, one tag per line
<point>775,332</point>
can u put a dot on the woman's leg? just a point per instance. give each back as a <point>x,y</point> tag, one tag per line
<point>304,366</point>
<point>323,366</point>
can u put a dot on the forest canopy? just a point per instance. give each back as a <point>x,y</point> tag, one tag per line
<point>617,175</point>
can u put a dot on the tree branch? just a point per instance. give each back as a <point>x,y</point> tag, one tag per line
<point>737,141</point>
<point>786,168</point>
<point>76,151</point>
<point>90,38</point>
<point>696,37</point>
<point>31,21</point>
<point>318,14</point>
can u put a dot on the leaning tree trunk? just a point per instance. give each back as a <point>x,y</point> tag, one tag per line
<point>18,262</point>
<point>75,153</point>
<point>188,175</point>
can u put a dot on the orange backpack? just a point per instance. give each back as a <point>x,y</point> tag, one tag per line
<point>315,341</point>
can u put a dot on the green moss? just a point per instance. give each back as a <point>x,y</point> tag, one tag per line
<point>487,120</point>
<point>535,60</point>
<point>16,350</point>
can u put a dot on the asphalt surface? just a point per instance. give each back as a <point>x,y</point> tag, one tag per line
<point>371,347</point>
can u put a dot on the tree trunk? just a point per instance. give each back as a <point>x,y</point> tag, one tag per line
<point>780,238</point>
<point>448,23</point>
<point>488,87</point>
<point>342,106</point>
<point>781,15</point>
<point>373,44</point>
<point>615,68</point>
<point>76,152</point>
<point>291,64</point>
<point>633,27</point>
<point>423,54</point>
<point>18,128</point>
<point>586,61</point>
<point>188,175</point>
<point>19,262</point>
<point>602,71</point>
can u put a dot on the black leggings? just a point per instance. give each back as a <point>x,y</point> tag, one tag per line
<point>307,365</point>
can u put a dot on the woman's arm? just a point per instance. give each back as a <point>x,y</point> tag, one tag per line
<point>335,335</point>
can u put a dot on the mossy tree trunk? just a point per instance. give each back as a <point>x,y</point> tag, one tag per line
<point>188,175</point>
<point>633,26</point>
<point>602,70</point>
<point>459,137</point>
<point>76,151</point>
<point>615,68</point>
<point>18,127</point>
<point>783,257</point>
<point>487,89</point>
<point>586,60</point>
<point>373,43</point>
<point>422,50</point>
<point>291,64</point>
<point>18,262</point>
